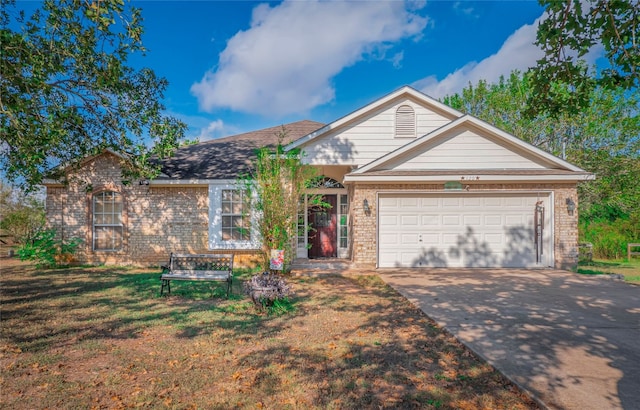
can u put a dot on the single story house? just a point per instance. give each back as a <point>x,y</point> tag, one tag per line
<point>411,183</point>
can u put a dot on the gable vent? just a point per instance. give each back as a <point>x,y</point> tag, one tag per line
<point>405,122</point>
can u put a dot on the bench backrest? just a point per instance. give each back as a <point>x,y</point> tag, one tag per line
<point>201,264</point>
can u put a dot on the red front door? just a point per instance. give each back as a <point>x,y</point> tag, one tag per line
<point>323,234</point>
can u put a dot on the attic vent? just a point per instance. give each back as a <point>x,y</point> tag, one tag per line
<point>405,122</point>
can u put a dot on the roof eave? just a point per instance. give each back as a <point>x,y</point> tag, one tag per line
<point>462,177</point>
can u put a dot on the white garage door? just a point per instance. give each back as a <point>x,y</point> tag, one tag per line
<point>462,230</point>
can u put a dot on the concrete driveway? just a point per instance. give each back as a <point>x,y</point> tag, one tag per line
<point>572,341</point>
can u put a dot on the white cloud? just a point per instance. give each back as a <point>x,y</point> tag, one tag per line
<point>211,131</point>
<point>468,11</point>
<point>285,61</point>
<point>517,52</point>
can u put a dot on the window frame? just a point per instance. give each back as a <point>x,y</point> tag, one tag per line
<point>215,220</point>
<point>244,231</point>
<point>96,226</point>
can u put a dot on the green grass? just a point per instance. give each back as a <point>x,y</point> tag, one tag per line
<point>630,269</point>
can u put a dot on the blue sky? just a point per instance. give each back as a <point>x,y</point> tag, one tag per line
<point>239,66</point>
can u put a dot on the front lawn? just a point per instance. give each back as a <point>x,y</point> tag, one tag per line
<point>630,269</point>
<point>102,337</point>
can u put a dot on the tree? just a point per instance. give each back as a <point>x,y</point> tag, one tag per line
<point>274,188</point>
<point>604,137</point>
<point>570,30</point>
<point>66,90</point>
<point>21,214</point>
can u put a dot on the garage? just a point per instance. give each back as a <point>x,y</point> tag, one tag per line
<point>465,229</point>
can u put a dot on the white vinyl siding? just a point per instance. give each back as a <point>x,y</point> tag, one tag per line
<point>368,139</point>
<point>465,150</point>
<point>405,122</point>
<point>461,230</point>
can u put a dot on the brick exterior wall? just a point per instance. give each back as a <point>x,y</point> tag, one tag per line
<point>160,220</point>
<point>157,220</point>
<point>364,239</point>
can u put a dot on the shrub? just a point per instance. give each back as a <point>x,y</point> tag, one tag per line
<point>267,290</point>
<point>610,238</point>
<point>47,251</point>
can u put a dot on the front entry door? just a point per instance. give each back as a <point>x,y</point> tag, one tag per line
<point>323,233</point>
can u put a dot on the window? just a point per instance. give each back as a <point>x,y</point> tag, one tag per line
<point>235,218</point>
<point>405,122</point>
<point>344,210</point>
<point>107,221</point>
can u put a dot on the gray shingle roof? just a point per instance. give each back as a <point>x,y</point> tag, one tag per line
<point>229,157</point>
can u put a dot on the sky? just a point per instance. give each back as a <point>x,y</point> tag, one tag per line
<point>238,66</point>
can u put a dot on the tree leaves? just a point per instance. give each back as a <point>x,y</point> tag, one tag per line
<point>602,137</point>
<point>66,90</point>
<point>572,29</point>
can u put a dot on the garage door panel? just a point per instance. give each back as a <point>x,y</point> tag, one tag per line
<point>409,203</point>
<point>409,239</point>
<point>430,239</point>
<point>495,220</point>
<point>462,230</point>
<point>450,201</point>
<point>429,202</point>
<point>493,239</point>
<point>388,220</point>
<point>472,220</point>
<point>430,220</point>
<point>513,220</point>
<point>409,220</point>
<point>513,201</point>
<point>388,202</point>
<point>472,201</point>
<point>451,220</point>
<point>449,239</point>
<point>389,239</point>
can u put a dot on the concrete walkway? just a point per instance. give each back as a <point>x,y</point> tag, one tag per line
<point>572,341</point>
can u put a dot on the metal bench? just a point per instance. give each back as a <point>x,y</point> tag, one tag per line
<point>204,267</point>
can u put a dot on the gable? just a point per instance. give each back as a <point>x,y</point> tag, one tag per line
<point>468,146</point>
<point>371,132</point>
<point>465,148</point>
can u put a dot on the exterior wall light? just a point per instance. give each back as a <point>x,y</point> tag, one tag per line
<point>571,206</point>
<point>365,206</point>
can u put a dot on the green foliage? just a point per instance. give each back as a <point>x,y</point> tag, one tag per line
<point>610,230</point>
<point>604,137</point>
<point>21,215</point>
<point>67,92</point>
<point>281,307</point>
<point>47,251</point>
<point>275,186</point>
<point>570,30</point>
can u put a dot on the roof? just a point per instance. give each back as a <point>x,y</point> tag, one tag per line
<point>229,157</point>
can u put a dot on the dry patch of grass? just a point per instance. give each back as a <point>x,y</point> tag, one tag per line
<point>104,338</point>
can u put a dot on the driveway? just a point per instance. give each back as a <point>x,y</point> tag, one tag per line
<point>572,341</point>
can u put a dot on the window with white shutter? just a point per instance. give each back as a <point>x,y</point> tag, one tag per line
<point>405,122</point>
